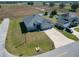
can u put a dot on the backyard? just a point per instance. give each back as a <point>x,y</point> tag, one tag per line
<point>24,44</point>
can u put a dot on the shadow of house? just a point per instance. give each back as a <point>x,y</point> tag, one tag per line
<point>36,23</point>
<point>23,28</point>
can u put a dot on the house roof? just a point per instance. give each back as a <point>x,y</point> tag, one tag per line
<point>35,19</point>
<point>31,22</point>
<point>68,17</point>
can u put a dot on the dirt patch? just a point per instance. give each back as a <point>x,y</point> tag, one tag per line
<point>17,11</point>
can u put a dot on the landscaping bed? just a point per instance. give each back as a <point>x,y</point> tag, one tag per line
<point>24,44</point>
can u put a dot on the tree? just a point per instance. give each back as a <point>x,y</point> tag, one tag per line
<point>44,3</point>
<point>53,13</point>
<point>74,6</point>
<point>61,5</point>
<point>46,13</point>
<point>30,3</point>
<point>51,4</point>
<point>0,6</point>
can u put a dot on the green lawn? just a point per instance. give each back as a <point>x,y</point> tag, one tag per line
<point>53,19</point>
<point>21,44</point>
<point>68,35</point>
<point>77,29</point>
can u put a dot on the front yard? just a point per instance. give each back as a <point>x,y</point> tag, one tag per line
<point>68,35</point>
<point>24,44</point>
<point>77,29</point>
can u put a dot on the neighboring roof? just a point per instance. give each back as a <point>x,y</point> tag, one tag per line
<point>67,17</point>
<point>61,21</point>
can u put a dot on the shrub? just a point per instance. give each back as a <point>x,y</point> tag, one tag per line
<point>46,13</point>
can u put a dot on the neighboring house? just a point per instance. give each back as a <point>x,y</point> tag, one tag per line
<point>67,20</point>
<point>37,22</point>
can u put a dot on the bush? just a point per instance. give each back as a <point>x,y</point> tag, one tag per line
<point>74,6</point>
<point>30,3</point>
<point>53,13</point>
<point>46,13</point>
<point>62,5</point>
<point>51,4</point>
<point>0,6</point>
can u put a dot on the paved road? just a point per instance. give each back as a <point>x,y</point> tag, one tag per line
<point>58,38</point>
<point>3,33</point>
<point>69,50</point>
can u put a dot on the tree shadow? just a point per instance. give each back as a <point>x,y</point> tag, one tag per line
<point>23,28</point>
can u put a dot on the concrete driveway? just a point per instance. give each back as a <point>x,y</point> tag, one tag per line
<point>58,38</point>
<point>3,33</point>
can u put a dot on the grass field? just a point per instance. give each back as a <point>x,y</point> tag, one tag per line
<point>68,35</point>
<point>23,44</point>
<point>77,29</point>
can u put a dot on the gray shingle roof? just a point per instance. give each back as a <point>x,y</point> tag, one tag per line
<point>67,18</point>
<point>37,19</point>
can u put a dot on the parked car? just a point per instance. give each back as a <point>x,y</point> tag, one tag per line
<point>69,30</point>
